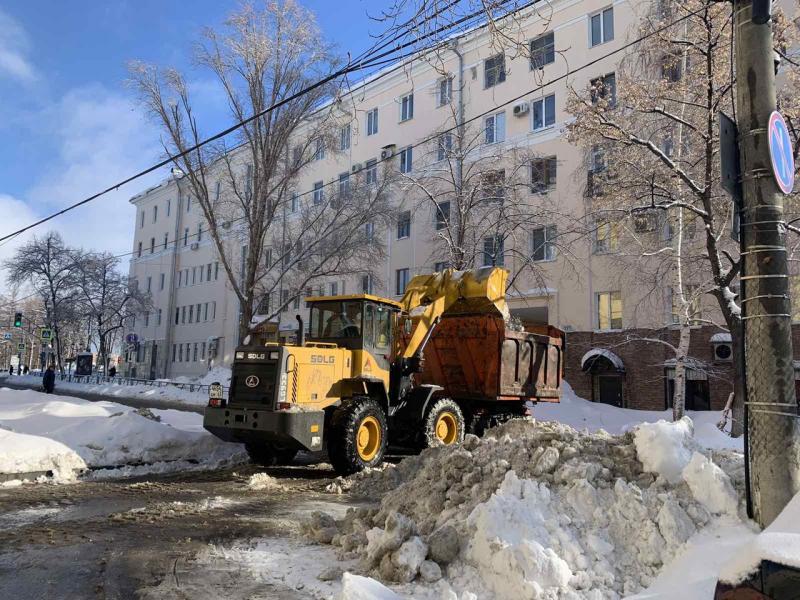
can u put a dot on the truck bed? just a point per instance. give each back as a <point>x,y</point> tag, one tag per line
<point>478,357</point>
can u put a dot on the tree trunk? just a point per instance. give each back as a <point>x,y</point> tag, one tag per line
<point>679,396</point>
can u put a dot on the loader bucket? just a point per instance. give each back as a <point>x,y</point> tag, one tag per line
<point>477,291</point>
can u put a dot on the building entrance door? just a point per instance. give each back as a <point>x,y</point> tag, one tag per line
<point>609,390</point>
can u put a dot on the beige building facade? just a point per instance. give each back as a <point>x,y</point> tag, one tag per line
<point>514,101</point>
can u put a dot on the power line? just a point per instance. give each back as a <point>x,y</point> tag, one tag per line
<point>350,67</point>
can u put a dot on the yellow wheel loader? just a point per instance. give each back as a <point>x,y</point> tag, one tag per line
<point>419,372</point>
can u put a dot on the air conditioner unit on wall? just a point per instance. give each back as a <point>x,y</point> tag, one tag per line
<point>355,168</point>
<point>521,109</point>
<point>388,151</point>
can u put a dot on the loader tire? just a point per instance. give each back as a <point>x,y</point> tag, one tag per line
<point>270,455</point>
<point>443,424</point>
<point>357,436</point>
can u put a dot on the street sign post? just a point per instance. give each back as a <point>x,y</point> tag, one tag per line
<point>780,152</point>
<point>131,338</point>
<point>8,336</point>
<point>21,346</point>
<point>47,335</point>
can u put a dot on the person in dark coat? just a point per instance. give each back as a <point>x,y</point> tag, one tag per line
<point>25,370</point>
<point>11,370</point>
<point>112,371</point>
<point>49,380</point>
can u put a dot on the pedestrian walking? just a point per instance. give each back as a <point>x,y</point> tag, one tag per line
<point>25,370</point>
<point>11,370</point>
<point>112,371</point>
<point>49,380</point>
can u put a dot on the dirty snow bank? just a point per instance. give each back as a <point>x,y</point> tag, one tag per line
<point>536,510</point>
<point>100,434</point>
<point>21,453</point>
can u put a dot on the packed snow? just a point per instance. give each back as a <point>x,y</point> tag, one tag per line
<point>540,510</point>
<point>63,434</point>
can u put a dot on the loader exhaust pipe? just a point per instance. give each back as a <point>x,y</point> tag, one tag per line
<point>301,331</point>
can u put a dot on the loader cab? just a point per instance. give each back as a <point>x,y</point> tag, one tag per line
<point>357,322</point>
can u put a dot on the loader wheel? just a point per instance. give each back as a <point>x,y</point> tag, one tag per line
<point>270,455</point>
<point>358,435</point>
<point>443,424</point>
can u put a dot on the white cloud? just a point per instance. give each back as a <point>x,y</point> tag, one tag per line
<point>14,49</point>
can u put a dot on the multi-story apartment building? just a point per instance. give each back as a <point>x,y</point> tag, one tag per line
<point>193,325</point>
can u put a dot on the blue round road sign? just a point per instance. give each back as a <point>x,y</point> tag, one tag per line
<point>780,152</point>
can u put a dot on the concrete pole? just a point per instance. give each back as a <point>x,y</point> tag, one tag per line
<point>772,406</point>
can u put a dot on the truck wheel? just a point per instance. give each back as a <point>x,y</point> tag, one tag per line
<point>443,424</point>
<point>357,436</point>
<point>270,455</point>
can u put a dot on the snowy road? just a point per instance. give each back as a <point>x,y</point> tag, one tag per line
<point>150,537</point>
<point>135,402</point>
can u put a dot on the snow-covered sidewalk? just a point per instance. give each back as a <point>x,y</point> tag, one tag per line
<point>65,435</point>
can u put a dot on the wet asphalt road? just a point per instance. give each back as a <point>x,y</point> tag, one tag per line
<point>142,537</point>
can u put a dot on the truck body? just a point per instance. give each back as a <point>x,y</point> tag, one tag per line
<point>422,372</point>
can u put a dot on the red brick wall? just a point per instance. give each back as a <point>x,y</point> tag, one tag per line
<point>645,375</point>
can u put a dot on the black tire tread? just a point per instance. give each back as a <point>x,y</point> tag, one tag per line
<point>429,439</point>
<point>341,435</point>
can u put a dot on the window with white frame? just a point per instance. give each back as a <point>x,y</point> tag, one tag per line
<point>372,121</point>
<point>372,171</point>
<point>344,185</point>
<point>495,128</point>
<point>494,70</point>
<point>169,207</point>
<point>542,243</point>
<point>199,232</point>
<point>406,159</point>
<point>543,50</point>
<point>493,251</point>
<point>366,283</point>
<point>369,231</point>
<point>285,300</point>
<point>445,91</point>
<point>493,185</point>
<point>442,216</point>
<point>344,137</point>
<point>319,193</point>
<point>401,281</point>
<point>444,145</point>
<point>601,27</point>
<point>139,251</point>
<point>141,219</point>
<point>149,283</point>
<point>609,310</point>
<point>158,317</point>
<point>604,89</point>
<point>155,214</point>
<point>319,150</point>
<point>404,225</point>
<point>407,107</point>
<point>333,286</point>
<point>166,240</point>
<point>295,202</point>
<point>606,237</point>
<point>162,279</point>
<point>543,112</point>
<point>543,174</point>
<point>152,245</point>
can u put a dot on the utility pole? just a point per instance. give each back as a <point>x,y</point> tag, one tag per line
<point>772,423</point>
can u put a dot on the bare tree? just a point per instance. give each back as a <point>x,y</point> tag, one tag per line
<point>48,265</point>
<point>107,298</point>
<point>263,59</point>
<point>652,136</point>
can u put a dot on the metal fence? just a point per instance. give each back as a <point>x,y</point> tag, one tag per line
<point>130,381</point>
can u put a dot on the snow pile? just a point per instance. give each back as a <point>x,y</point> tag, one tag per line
<point>103,434</point>
<point>535,510</point>
<point>583,414</point>
<point>21,454</point>
<point>216,374</point>
<point>262,481</point>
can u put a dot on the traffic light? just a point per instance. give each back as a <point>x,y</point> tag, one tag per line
<point>17,319</point>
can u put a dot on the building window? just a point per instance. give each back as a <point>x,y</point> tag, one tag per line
<point>344,137</point>
<point>194,275</point>
<point>344,185</point>
<point>202,351</point>
<point>169,207</point>
<point>543,247</point>
<point>494,70</point>
<point>191,313</point>
<point>149,283</point>
<point>319,193</point>
<point>139,250</point>
<point>372,121</point>
<point>174,351</point>
<point>366,284</point>
<point>213,310</point>
<point>199,232</point>
<point>194,355</point>
<point>158,317</point>
<point>180,352</point>
<point>208,272</point>
<point>444,145</point>
<point>372,171</point>
<point>188,203</point>
<point>205,312</point>
<point>166,240</point>
<point>333,286</point>
<point>183,315</point>
<point>543,174</point>
<point>407,107</point>
<point>296,302</point>
<point>152,245</point>
<point>495,128</point>
<point>141,219</point>
<point>544,112</point>
<point>445,91</point>
<point>606,237</point>
<point>319,151</point>
<point>609,310</point>
<point>404,225</point>
<point>604,88</point>
<point>285,300</point>
<point>401,281</point>
<point>543,50</point>
<point>177,315</point>
<point>493,186</point>
<point>493,251</point>
<point>161,280</point>
<point>147,319</point>
<point>406,159</point>
<point>295,202</point>
<point>216,271</point>
<point>369,231</point>
<point>186,236</point>
<point>155,214</point>
<point>601,27</point>
<point>442,215</point>
<point>692,293</point>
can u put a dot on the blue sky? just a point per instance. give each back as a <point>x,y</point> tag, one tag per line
<point>69,126</point>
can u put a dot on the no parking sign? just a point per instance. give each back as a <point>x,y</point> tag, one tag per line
<point>780,152</point>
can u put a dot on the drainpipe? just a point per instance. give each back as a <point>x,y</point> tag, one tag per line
<point>170,325</point>
<point>459,127</point>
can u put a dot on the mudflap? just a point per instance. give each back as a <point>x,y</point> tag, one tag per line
<point>303,430</point>
<point>772,581</point>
